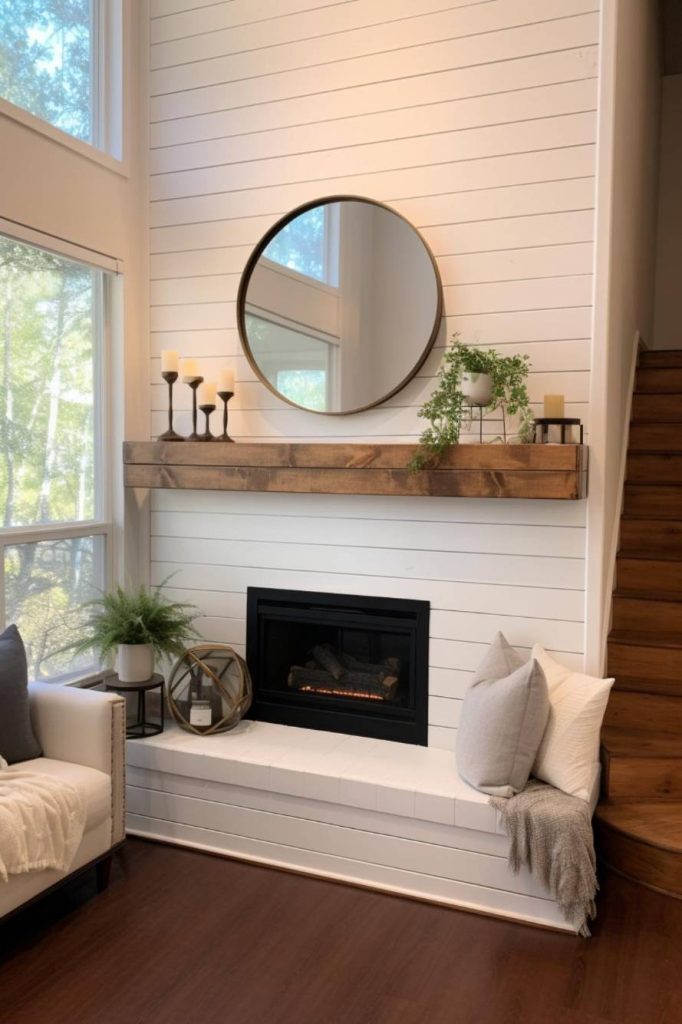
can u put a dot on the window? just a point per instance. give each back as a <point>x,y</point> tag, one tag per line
<point>55,63</point>
<point>309,244</point>
<point>53,502</point>
<point>298,364</point>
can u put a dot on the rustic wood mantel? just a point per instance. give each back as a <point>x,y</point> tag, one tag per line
<point>467,471</point>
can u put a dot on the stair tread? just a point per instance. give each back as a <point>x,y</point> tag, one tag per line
<point>656,823</point>
<point>621,742</point>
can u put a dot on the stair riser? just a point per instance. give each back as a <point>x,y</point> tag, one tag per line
<point>654,469</point>
<point>657,381</point>
<point>654,437</point>
<point>659,538</point>
<point>649,576</point>
<point>661,358</point>
<point>657,408</point>
<point>647,616</point>
<point>652,669</point>
<point>650,865</point>
<point>653,502</point>
<point>642,778</point>
<point>644,712</point>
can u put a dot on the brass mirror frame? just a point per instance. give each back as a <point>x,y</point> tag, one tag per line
<point>258,252</point>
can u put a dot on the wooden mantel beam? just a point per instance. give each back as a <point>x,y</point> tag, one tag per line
<point>471,471</point>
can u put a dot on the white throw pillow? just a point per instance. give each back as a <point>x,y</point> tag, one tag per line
<point>568,757</point>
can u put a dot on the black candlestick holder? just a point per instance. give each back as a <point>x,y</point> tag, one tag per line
<point>207,410</point>
<point>193,383</point>
<point>170,376</point>
<point>225,397</point>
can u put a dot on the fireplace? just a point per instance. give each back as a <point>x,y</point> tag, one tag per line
<point>344,663</point>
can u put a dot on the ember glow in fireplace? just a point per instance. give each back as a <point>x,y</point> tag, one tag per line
<point>343,663</point>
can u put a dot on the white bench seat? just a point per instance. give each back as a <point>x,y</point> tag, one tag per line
<point>390,816</point>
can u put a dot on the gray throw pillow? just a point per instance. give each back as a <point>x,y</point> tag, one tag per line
<point>17,739</point>
<point>503,720</point>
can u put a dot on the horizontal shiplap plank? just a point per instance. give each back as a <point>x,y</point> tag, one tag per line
<point>174,19</point>
<point>526,600</point>
<point>552,227</point>
<point>476,268</point>
<point>508,570</point>
<point>443,118</point>
<point>411,183</point>
<point>426,536</point>
<point>238,79</point>
<point>356,506</point>
<point>252,396</point>
<point>318,36</point>
<point>387,423</point>
<point>463,85</point>
<point>477,627</point>
<point>214,348</point>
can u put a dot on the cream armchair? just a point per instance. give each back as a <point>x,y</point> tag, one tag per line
<point>82,735</point>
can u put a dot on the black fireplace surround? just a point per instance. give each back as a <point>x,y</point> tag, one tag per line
<point>343,663</point>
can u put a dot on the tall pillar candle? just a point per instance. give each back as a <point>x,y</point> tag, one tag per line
<point>169,361</point>
<point>554,407</point>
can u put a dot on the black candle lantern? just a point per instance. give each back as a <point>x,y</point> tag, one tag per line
<point>563,432</point>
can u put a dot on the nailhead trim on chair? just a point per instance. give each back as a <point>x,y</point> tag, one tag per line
<point>118,767</point>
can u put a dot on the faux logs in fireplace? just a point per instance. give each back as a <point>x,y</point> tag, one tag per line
<point>344,663</point>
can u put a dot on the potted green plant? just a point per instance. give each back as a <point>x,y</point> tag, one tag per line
<point>139,627</point>
<point>471,377</point>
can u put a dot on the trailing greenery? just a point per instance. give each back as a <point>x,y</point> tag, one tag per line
<point>145,617</point>
<point>448,410</point>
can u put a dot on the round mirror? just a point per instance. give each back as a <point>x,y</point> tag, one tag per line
<point>339,305</point>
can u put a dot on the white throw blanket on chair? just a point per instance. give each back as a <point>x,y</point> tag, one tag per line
<point>41,822</point>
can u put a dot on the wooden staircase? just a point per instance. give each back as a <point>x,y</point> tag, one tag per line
<point>639,821</point>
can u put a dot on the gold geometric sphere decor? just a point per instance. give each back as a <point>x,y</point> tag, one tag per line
<point>209,689</point>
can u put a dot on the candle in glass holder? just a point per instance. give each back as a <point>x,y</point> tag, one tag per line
<point>206,393</point>
<point>226,380</point>
<point>189,370</point>
<point>554,407</point>
<point>169,361</point>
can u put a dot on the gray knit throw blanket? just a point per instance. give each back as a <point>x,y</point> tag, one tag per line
<point>551,833</point>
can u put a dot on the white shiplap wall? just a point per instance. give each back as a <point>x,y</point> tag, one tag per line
<point>477,121</point>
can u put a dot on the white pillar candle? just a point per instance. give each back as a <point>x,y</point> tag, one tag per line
<point>189,370</point>
<point>554,407</point>
<point>169,361</point>
<point>226,380</point>
<point>206,393</point>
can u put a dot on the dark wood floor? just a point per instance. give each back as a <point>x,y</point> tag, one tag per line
<point>185,938</point>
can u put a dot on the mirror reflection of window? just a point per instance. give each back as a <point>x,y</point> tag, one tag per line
<point>309,244</point>
<point>297,364</point>
<point>341,306</point>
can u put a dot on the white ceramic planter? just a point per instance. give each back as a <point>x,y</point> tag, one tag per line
<point>477,388</point>
<point>135,662</point>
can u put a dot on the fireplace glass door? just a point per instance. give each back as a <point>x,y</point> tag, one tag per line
<point>345,663</point>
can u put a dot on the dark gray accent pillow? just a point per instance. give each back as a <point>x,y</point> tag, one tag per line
<point>503,720</point>
<point>17,739</point>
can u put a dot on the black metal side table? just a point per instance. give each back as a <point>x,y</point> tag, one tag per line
<point>142,727</point>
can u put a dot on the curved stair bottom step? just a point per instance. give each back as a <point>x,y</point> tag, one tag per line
<point>643,842</point>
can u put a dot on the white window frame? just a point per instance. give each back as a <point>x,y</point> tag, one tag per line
<point>106,100</point>
<point>102,524</point>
